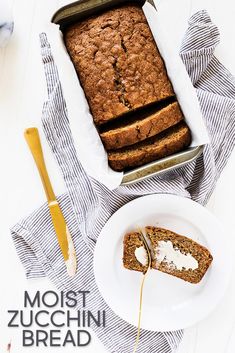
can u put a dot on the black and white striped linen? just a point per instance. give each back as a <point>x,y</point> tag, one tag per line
<point>87,205</point>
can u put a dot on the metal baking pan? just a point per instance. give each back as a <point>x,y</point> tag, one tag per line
<point>162,165</point>
<point>81,9</point>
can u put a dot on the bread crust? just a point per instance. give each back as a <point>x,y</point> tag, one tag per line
<point>171,141</point>
<point>140,130</point>
<point>131,242</point>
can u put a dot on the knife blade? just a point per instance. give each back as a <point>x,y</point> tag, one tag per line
<point>62,232</point>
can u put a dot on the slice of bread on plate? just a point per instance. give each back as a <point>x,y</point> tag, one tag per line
<point>172,253</point>
<point>178,255</point>
<point>134,252</point>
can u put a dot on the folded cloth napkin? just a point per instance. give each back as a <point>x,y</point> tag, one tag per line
<point>87,205</point>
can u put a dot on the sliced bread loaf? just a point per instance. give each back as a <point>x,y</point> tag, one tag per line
<point>134,252</point>
<point>140,130</point>
<point>178,255</point>
<point>168,142</point>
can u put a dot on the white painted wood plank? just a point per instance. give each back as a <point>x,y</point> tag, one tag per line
<point>222,14</point>
<point>175,14</point>
<point>22,100</point>
<point>189,341</point>
<point>229,347</point>
<point>10,4</point>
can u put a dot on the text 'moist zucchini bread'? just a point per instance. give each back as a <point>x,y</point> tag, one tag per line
<point>117,62</point>
<point>172,253</point>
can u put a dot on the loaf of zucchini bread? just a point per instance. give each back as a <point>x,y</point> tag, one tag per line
<point>126,85</point>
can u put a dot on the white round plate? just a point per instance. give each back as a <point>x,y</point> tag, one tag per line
<point>169,303</point>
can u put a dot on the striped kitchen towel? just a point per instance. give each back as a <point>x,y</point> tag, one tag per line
<point>88,205</point>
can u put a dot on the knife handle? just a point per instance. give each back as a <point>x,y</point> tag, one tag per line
<point>33,140</point>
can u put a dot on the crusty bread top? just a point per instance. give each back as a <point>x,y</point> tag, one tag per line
<point>117,61</point>
<point>181,243</point>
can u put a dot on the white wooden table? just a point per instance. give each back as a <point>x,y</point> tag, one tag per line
<point>22,91</point>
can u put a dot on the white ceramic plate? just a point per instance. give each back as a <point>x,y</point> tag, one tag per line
<point>169,303</point>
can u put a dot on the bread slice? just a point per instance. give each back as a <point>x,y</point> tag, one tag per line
<point>190,260</point>
<point>131,243</point>
<point>140,130</point>
<point>168,142</point>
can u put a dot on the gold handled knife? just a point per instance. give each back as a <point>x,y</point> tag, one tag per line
<point>63,235</point>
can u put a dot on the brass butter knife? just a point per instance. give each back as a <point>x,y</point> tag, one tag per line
<point>62,232</point>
